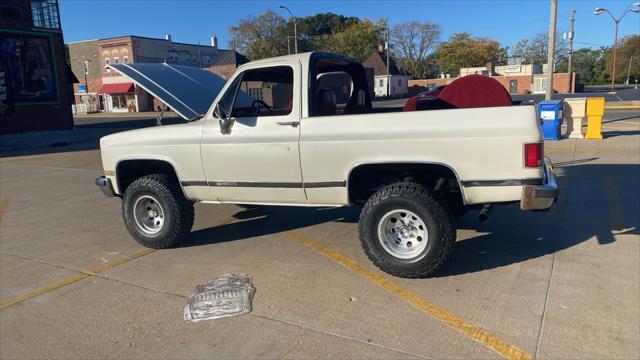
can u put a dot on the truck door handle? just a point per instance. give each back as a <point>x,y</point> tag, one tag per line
<point>289,123</point>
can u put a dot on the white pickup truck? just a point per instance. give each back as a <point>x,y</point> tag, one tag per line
<point>300,130</point>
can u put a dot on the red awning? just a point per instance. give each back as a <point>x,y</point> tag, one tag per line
<point>116,88</point>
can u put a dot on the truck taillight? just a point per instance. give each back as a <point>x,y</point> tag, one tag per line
<point>533,154</point>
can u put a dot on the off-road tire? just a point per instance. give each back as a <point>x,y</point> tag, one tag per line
<point>439,220</point>
<point>178,211</point>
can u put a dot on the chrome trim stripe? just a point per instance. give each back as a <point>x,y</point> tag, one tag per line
<point>282,185</point>
<point>193,183</point>
<point>503,182</point>
<point>324,184</point>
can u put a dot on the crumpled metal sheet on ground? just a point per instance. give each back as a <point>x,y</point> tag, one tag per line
<point>228,295</point>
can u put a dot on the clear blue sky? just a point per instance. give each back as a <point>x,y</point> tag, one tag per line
<point>187,21</point>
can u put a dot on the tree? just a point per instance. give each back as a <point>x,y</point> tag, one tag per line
<point>357,40</point>
<point>536,49</point>
<point>412,43</point>
<point>462,50</point>
<point>627,47</point>
<point>260,37</point>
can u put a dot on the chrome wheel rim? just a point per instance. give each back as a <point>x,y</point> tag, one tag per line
<point>148,214</point>
<point>403,234</point>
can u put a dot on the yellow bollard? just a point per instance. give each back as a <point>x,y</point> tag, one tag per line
<point>595,110</point>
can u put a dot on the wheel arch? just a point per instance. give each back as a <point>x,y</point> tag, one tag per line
<point>391,167</point>
<point>130,169</point>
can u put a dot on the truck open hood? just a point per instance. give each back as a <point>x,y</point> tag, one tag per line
<point>189,91</point>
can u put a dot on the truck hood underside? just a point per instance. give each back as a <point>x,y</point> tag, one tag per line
<point>189,91</point>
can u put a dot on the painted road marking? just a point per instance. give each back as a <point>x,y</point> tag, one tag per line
<point>617,215</point>
<point>492,342</point>
<point>75,278</point>
<point>85,274</point>
<point>622,107</point>
<point>4,205</point>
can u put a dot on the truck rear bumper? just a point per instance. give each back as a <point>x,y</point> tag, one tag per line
<point>104,183</point>
<point>541,197</point>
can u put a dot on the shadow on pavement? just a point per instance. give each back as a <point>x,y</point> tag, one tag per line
<point>597,200</point>
<point>610,134</point>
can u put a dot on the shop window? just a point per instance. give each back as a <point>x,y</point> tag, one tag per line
<point>45,14</point>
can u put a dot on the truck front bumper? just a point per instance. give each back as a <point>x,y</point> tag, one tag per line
<point>104,183</point>
<point>541,197</point>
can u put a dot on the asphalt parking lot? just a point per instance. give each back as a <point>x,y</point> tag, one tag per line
<point>559,284</point>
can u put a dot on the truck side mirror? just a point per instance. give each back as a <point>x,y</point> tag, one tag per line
<point>225,121</point>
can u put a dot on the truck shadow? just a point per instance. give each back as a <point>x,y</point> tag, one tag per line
<point>597,201</point>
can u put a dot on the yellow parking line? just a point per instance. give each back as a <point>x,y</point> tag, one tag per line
<point>617,217</point>
<point>4,205</point>
<point>622,107</point>
<point>502,348</point>
<point>75,278</point>
<point>83,275</point>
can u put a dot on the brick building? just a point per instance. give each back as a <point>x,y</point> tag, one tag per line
<point>35,83</point>
<point>100,89</point>
<point>517,79</point>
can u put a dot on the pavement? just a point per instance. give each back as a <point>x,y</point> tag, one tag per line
<point>558,284</point>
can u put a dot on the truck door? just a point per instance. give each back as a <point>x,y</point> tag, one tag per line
<point>258,160</point>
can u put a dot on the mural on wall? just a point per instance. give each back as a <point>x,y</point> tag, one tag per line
<point>27,60</point>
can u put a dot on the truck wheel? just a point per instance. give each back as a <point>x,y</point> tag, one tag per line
<point>156,212</point>
<point>405,231</point>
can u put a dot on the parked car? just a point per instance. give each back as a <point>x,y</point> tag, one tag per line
<point>275,135</point>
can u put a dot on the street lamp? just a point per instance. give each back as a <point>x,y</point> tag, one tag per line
<point>295,28</point>
<point>598,11</point>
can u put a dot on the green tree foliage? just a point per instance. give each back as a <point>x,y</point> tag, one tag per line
<point>412,43</point>
<point>627,47</point>
<point>269,35</point>
<point>357,40</point>
<point>260,36</point>
<point>463,50</point>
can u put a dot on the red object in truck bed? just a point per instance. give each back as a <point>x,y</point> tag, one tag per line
<point>469,91</point>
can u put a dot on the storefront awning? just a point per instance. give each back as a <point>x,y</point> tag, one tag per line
<point>117,88</point>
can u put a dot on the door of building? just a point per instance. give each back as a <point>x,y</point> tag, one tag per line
<point>513,87</point>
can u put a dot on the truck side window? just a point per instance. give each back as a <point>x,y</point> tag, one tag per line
<point>265,92</point>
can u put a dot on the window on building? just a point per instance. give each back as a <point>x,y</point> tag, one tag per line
<point>116,60</point>
<point>45,14</point>
<point>381,82</point>
<point>206,59</point>
<point>106,62</point>
<point>125,59</point>
<point>173,56</point>
<point>399,82</point>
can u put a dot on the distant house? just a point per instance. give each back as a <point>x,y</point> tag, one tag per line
<point>398,76</point>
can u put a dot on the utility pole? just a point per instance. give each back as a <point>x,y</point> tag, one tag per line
<point>388,47</point>
<point>295,28</point>
<point>551,48</point>
<point>629,71</point>
<point>569,68</point>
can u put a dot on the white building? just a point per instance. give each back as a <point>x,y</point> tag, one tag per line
<point>398,76</point>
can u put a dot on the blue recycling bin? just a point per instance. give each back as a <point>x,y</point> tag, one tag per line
<point>550,112</point>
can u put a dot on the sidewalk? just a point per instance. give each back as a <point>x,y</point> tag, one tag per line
<point>129,115</point>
